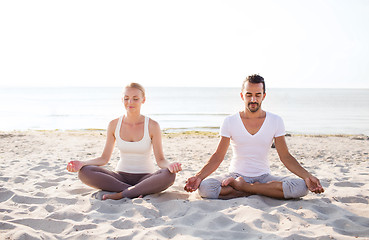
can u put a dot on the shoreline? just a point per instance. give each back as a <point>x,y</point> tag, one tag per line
<point>165,132</point>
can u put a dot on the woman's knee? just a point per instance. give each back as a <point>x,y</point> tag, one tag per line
<point>84,172</point>
<point>165,177</point>
<point>170,176</point>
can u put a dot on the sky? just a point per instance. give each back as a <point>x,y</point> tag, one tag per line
<point>298,44</point>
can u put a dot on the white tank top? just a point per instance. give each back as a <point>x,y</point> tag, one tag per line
<point>135,157</point>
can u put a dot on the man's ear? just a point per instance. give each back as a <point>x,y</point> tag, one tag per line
<point>242,96</point>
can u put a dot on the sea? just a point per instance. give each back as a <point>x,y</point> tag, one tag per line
<point>304,111</point>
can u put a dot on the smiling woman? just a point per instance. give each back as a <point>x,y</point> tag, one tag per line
<point>136,135</point>
<point>134,97</point>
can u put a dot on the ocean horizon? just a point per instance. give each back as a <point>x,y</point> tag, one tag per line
<point>304,110</point>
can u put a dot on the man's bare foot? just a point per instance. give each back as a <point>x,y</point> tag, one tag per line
<point>238,184</point>
<point>228,181</point>
<point>114,196</point>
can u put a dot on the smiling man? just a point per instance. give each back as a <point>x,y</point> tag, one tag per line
<point>251,133</point>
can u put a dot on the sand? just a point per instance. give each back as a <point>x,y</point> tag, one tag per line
<point>39,199</point>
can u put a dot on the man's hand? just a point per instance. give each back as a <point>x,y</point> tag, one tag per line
<point>74,166</point>
<point>313,184</point>
<point>192,184</point>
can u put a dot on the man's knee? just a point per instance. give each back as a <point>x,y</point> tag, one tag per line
<point>295,188</point>
<point>209,188</point>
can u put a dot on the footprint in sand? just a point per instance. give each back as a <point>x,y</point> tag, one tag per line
<point>351,227</point>
<point>360,220</point>
<point>4,179</point>
<point>348,184</point>
<point>152,222</point>
<point>49,208</point>
<point>46,184</point>
<point>6,226</point>
<point>352,200</point>
<point>28,200</point>
<point>5,194</point>
<point>169,232</point>
<point>38,168</point>
<point>82,227</point>
<point>19,180</point>
<point>63,215</point>
<point>47,225</point>
<point>325,212</point>
<point>80,191</point>
<point>123,224</point>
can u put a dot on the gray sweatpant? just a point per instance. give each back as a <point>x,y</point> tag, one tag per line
<point>292,187</point>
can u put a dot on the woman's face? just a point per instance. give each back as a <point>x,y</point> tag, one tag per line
<point>133,99</point>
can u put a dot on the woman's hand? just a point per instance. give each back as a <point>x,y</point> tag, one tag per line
<point>175,167</point>
<point>74,166</point>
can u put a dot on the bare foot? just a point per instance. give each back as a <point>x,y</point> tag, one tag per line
<point>232,188</point>
<point>115,196</point>
<point>228,181</point>
<point>240,184</point>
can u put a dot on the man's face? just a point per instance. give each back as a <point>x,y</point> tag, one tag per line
<point>253,96</point>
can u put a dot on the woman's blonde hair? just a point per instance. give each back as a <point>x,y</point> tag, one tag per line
<point>137,86</point>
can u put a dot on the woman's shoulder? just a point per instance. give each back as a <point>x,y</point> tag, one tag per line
<point>154,127</point>
<point>153,123</point>
<point>114,121</point>
<point>113,124</point>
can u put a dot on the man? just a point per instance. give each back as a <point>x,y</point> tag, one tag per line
<point>251,133</point>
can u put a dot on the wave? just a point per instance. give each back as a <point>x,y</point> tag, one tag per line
<point>185,129</point>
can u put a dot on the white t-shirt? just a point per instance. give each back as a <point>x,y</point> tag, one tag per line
<point>250,152</point>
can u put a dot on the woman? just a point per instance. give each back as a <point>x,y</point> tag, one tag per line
<point>136,135</point>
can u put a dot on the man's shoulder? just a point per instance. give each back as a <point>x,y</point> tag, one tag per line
<point>232,117</point>
<point>273,116</point>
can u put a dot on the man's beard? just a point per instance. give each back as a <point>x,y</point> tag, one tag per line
<point>253,109</point>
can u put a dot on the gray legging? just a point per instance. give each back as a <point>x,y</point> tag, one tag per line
<point>131,184</point>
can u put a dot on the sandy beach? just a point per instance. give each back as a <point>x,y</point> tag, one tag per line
<point>39,199</point>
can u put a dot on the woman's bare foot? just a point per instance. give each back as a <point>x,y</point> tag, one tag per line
<point>115,196</point>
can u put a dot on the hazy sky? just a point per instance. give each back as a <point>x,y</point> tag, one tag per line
<point>316,43</point>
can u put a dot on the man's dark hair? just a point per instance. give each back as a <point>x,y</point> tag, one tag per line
<point>254,79</point>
